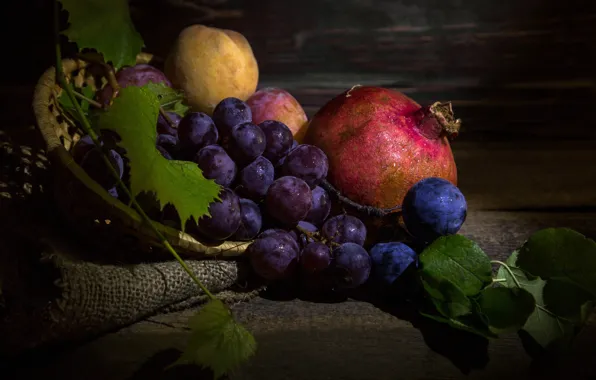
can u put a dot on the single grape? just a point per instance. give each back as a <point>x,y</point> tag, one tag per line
<point>95,166</point>
<point>273,257</point>
<point>225,217</point>
<point>113,192</point>
<point>352,265</point>
<point>301,237</point>
<point>294,145</point>
<point>279,140</point>
<point>137,75</point>
<point>321,206</point>
<point>315,257</point>
<point>246,143</point>
<point>216,165</point>
<point>169,143</point>
<point>390,260</point>
<point>251,222</point>
<point>255,179</point>
<point>434,207</point>
<point>229,113</point>
<point>195,131</point>
<point>164,152</point>
<point>308,163</point>
<point>272,231</point>
<point>281,161</point>
<point>81,148</point>
<point>288,200</point>
<point>164,127</point>
<point>344,229</point>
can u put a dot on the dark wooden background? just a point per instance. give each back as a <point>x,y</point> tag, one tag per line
<point>515,69</point>
<point>521,75</point>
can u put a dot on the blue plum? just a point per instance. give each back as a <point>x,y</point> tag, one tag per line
<point>390,260</point>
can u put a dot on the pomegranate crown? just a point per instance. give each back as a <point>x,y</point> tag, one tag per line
<point>443,113</point>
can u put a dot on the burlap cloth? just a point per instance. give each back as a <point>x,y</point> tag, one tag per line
<point>51,292</point>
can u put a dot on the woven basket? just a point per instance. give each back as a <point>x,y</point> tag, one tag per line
<point>84,203</point>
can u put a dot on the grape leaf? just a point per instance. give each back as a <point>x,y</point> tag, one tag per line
<point>106,26</point>
<point>447,298</point>
<point>169,98</point>
<point>459,260</point>
<point>506,309</point>
<point>69,108</point>
<point>217,341</point>
<point>470,323</point>
<point>544,326</point>
<point>133,117</point>
<point>560,253</point>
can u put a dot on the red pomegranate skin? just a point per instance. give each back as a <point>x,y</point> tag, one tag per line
<point>375,146</point>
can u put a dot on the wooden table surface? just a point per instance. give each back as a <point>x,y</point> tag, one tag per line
<point>521,76</point>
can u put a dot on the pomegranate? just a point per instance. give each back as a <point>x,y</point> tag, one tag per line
<point>379,143</point>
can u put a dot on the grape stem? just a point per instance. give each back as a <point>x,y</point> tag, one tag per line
<point>368,210</point>
<point>165,115</point>
<point>88,100</point>
<point>87,127</point>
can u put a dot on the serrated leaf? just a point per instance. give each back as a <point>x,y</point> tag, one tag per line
<point>447,298</point>
<point>544,326</point>
<point>106,26</point>
<point>69,108</point>
<point>560,253</point>
<point>458,260</point>
<point>217,341</point>
<point>133,117</point>
<point>169,98</point>
<point>506,309</point>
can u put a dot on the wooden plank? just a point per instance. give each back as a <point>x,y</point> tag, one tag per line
<point>354,339</point>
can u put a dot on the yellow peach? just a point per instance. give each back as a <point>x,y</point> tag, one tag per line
<point>210,64</point>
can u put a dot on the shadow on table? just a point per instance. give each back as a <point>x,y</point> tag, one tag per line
<point>156,368</point>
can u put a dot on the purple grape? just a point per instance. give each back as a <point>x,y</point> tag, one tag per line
<point>138,75</point>
<point>113,192</point>
<point>95,166</point>
<point>344,229</point>
<point>225,217</point>
<point>164,152</point>
<point>281,161</point>
<point>81,148</point>
<point>308,163</point>
<point>321,206</point>
<point>273,257</point>
<point>196,131</point>
<point>216,165</point>
<point>301,237</point>
<point>229,113</point>
<point>288,200</point>
<point>256,178</point>
<point>164,127</point>
<point>279,140</point>
<point>246,143</point>
<point>283,235</point>
<point>251,222</point>
<point>315,257</point>
<point>352,265</point>
<point>169,143</point>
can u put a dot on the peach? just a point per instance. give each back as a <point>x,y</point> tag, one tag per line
<point>277,104</point>
<point>211,64</point>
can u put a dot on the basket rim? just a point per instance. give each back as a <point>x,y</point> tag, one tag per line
<point>58,154</point>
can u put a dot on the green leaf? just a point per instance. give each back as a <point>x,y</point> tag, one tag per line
<point>169,98</point>
<point>133,116</point>
<point>217,341</point>
<point>68,107</point>
<point>561,253</point>
<point>469,323</point>
<point>544,326</point>
<point>506,309</point>
<point>459,260</point>
<point>447,298</point>
<point>106,26</point>
<point>567,300</point>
